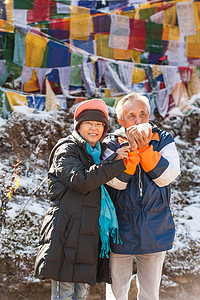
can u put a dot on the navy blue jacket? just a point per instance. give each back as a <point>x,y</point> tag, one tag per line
<point>141,194</point>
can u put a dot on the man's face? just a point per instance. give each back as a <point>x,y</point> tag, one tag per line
<point>134,112</point>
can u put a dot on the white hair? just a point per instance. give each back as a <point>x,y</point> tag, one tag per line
<point>130,97</point>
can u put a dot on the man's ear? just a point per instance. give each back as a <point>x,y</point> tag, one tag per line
<point>120,121</point>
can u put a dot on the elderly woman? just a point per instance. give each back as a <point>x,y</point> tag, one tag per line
<point>69,242</point>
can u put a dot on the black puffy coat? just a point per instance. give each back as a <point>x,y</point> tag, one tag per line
<point>69,240</point>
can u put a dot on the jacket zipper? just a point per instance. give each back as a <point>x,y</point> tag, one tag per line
<point>140,181</point>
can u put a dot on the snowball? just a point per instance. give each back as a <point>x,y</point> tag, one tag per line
<point>145,127</point>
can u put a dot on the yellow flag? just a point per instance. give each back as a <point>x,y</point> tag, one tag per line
<point>138,75</point>
<point>169,17</point>
<point>193,45</point>
<point>170,33</point>
<point>79,23</point>
<point>8,25</point>
<point>15,99</point>
<point>35,46</point>
<point>197,14</point>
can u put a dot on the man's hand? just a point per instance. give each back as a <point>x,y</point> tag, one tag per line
<point>122,153</point>
<point>130,137</point>
<point>141,139</point>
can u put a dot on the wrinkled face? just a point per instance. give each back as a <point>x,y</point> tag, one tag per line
<point>134,113</point>
<point>91,131</point>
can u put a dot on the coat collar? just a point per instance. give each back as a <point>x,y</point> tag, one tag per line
<point>82,143</point>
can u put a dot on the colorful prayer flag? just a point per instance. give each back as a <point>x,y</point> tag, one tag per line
<point>79,23</point>
<point>137,37</point>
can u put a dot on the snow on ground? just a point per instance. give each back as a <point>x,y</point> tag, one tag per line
<point>25,211</point>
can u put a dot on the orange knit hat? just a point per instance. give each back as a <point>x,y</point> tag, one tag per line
<point>92,110</point>
<point>92,104</point>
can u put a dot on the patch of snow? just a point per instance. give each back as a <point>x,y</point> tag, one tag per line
<point>194,98</point>
<point>23,109</point>
<point>2,122</point>
<point>175,112</point>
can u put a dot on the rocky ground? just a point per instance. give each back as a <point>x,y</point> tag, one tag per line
<point>33,136</point>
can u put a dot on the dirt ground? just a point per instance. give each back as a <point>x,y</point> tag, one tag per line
<point>188,288</point>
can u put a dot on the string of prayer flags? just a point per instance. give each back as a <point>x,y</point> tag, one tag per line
<point>51,102</point>
<point>20,17</point>
<point>154,37</point>
<point>128,12</point>
<point>35,46</point>
<point>62,24</point>
<point>62,8</point>
<point>36,102</point>
<point>16,99</point>
<point>193,45</point>
<point>101,23</point>
<point>180,96</point>
<point>170,16</point>
<point>186,74</point>
<point>193,87</point>
<point>157,17</point>
<point>41,11</point>
<point>102,48</point>
<point>155,71</point>
<point>31,83</point>
<point>87,73</point>
<point>137,37</point>
<point>119,32</point>
<point>102,65</point>
<point>3,15</point>
<point>120,54</point>
<point>197,15</point>
<point>79,23</point>
<point>113,82</point>
<point>117,4</point>
<point>176,52</point>
<point>3,72</point>
<point>8,46</point>
<point>61,59</point>
<point>64,76</point>
<point>171,77</point>
<point>61,35</point>
<point>41,74</point>
<point>6,16</point>
<point>21,4</point>
<point>193,61</point>
<point>5,109</point>
<point>170,33</point>
<point>147,12</point>
<point>19,48</point>
<point>88,45</point>
<point>125,74</point>
<point>58,29</point>
<point>162,101</point>
<point>89,4</point>
<point>138,76</point>
<point>75,78</point>
<point>186,21</point>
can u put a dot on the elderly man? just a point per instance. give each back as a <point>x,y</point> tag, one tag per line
<point>141,196</point>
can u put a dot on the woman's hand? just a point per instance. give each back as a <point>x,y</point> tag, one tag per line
<point>122,153</point>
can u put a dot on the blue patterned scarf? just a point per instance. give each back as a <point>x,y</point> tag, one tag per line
<point>108,224</point>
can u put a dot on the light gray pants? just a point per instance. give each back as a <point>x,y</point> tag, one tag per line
<point>67,290</point>
<point>149,272</point>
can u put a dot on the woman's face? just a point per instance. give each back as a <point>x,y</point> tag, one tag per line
<point>91,131</point>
